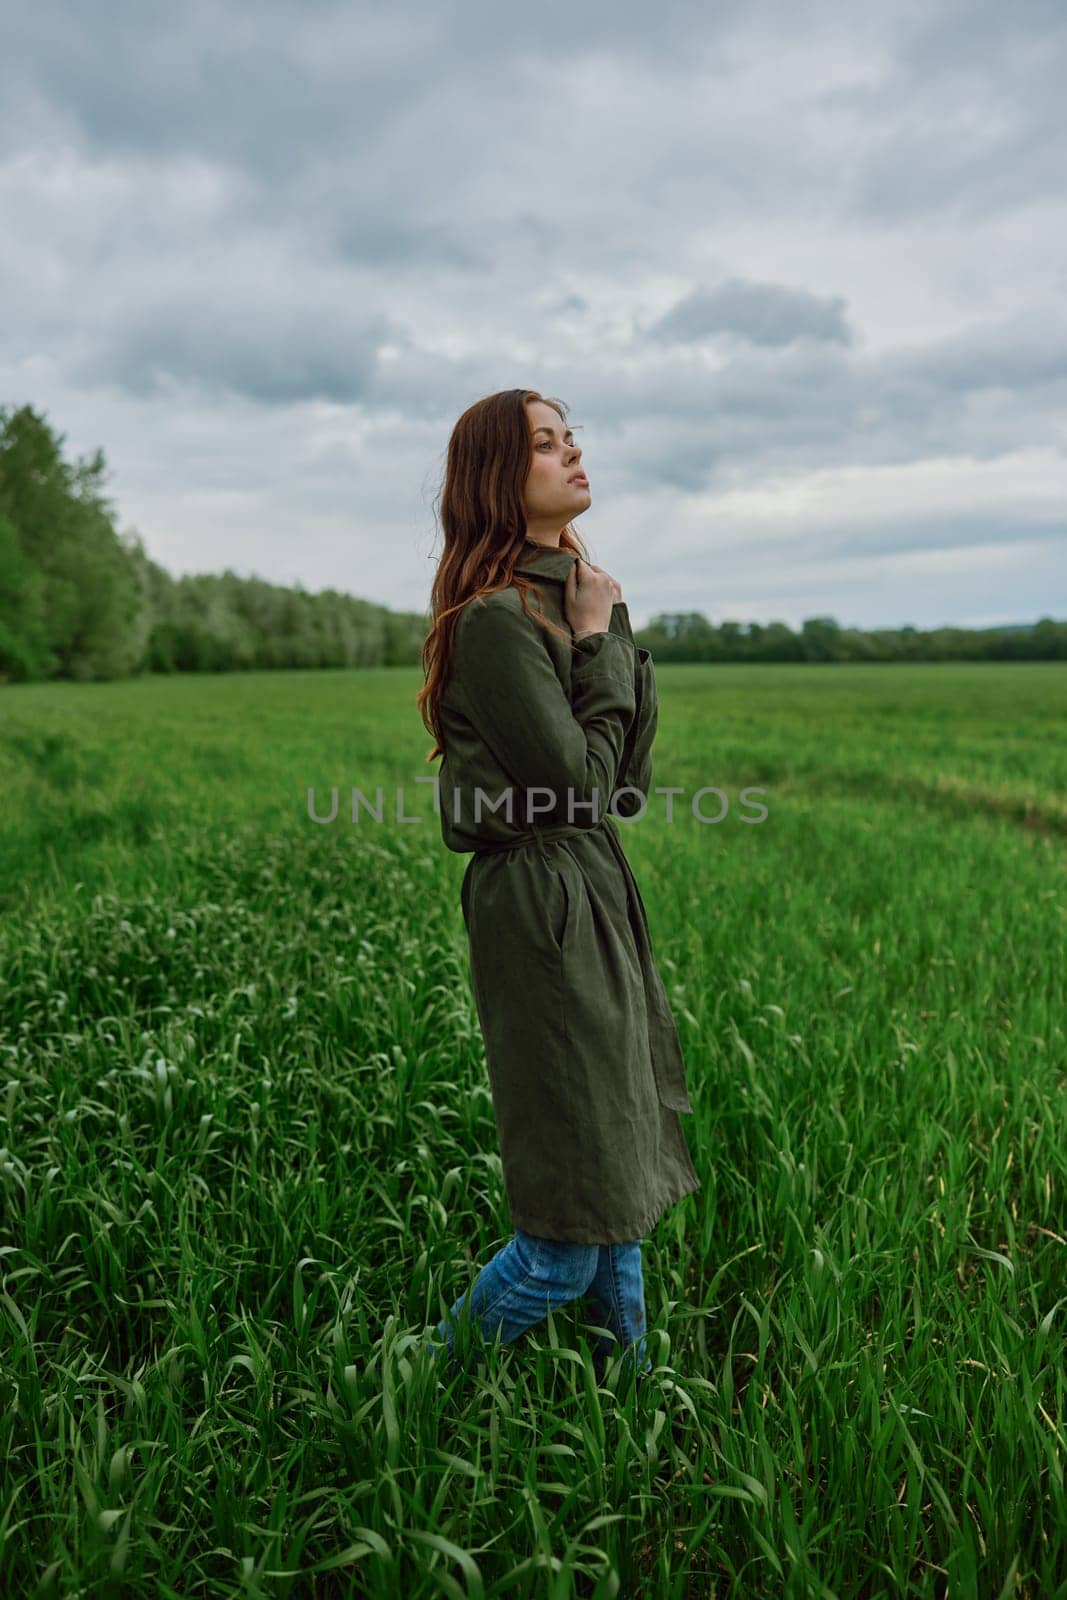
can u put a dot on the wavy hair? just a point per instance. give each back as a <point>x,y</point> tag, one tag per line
<point>484,521</point>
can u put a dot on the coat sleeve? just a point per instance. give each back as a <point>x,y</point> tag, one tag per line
<point>510,691</point>
<point>635,770</point>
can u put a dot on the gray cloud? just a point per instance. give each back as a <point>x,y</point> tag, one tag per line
<point>295,354</point>
<point>762,313</point>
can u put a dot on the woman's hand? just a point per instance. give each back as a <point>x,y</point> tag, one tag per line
<point>588,597</point>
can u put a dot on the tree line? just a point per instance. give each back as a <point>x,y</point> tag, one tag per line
<point>689,636</point>
<point>80,600</point>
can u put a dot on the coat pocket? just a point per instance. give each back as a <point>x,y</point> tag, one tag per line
<point>562,908</point>
<point>465,892</point>
<point>573,925</point>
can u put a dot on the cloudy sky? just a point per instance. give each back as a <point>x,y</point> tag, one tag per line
<point>799,275</point>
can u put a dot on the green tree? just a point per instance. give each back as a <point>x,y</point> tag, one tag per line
<point>87,592</point>
<point>24,652</point>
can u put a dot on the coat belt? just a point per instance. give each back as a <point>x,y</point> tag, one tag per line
<point>561,830</point>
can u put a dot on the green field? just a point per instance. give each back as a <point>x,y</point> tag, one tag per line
<point>249,1157</point>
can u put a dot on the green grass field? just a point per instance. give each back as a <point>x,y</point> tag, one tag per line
<point>249,1157</point>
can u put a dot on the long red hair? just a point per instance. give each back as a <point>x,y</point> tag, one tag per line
<point>484,522</point>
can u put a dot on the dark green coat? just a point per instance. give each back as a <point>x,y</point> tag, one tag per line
<point>584,1061</point>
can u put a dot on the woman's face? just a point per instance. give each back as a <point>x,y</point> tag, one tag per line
<point>550,497</point>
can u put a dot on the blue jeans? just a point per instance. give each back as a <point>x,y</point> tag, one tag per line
<point>531,1276</point>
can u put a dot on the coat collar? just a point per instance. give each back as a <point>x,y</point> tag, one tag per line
<point>542,561</point>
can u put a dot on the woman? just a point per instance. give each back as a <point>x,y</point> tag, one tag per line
<point>544,708</point>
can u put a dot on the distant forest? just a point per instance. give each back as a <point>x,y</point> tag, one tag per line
<point>80,600</point>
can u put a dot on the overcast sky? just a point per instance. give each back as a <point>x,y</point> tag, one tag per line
<point>800,276</point>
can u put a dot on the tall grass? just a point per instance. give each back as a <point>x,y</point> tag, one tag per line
<point>248,1158</point>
